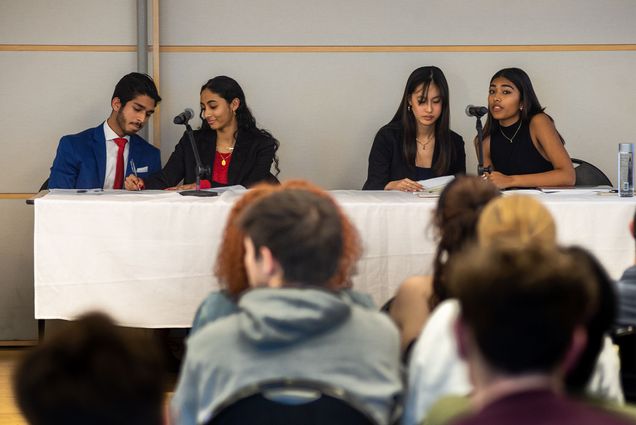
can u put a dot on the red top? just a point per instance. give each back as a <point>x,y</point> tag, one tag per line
<point>219,171</point>
<point>220,167</point>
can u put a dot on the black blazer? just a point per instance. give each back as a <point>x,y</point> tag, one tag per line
<point>251,160</point>
<point>386,159</point>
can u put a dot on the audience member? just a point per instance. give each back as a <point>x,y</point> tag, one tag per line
<point>533,330</point>
<point>588,366</point>
<point>435,369</point>
<point>291,324</point>
<point>101,157</point>
<point>91,373</point>
<point>230,268</point>
<point>454,222</point>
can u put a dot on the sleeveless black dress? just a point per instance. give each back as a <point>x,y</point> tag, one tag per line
<point>519,156</point>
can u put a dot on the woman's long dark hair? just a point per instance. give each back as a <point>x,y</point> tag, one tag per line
<point>528,98</point>
<point>455,220</point>
<point>444,149</point>
<point>229,90</point>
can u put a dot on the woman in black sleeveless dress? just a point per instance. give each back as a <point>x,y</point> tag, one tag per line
<point>521,142</point>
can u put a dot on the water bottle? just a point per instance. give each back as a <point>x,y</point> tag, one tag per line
<point>626,169</point>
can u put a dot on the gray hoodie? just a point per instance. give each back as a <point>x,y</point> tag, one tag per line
<point>304,333</point>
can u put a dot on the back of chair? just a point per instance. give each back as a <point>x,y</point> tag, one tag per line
<point>285,402</point>
<point>589,175</point>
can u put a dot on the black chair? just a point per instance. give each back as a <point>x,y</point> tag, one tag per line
<point>625,338</point>
<point>288,402</point>
<point>589,175</point>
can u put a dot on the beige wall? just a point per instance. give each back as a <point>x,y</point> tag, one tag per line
<point>325,107</point>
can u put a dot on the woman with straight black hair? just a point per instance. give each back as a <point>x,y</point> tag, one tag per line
<point>238,152</point>
<point>521,142</point>
<point>418,143</point>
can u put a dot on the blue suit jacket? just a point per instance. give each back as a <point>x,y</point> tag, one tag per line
<point>80,162</point>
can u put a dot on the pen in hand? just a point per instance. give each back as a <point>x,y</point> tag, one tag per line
<point>134,170</point>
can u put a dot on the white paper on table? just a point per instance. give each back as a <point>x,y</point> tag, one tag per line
<point>436,184</point>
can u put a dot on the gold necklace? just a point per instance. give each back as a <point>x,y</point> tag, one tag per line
<point>510,139</point>
<point>423,144</point>
<point>223,158</point>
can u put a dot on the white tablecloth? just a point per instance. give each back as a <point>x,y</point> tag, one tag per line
<point>147,258</point>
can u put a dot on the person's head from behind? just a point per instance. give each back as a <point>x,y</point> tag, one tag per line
<point>455,221</point>
<point>91,373</point>
<point>523,309</point>
<point>134,100</point>
<point>292,237</point>
<point>230,267</point>
<point>351,245</point>
<point>425,104</point>
<point>599,323</point>
<point>516,220</point>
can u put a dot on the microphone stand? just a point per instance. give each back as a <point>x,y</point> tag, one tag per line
<point>480,149</point>
<point>200,170</point>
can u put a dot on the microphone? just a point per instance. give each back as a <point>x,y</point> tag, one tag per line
<point>200,170</point>
<point>184,116</point>
<point>475,111</point>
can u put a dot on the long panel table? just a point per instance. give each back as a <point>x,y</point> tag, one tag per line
<point>146,258</point>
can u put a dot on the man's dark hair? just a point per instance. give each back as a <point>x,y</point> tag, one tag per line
<point>522,304</point>
<point>133,85</point>
<point>302,230</point>
<point>91,373</point>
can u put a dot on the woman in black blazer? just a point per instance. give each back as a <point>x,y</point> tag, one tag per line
<point>417,144</point>
<point>238,152</point>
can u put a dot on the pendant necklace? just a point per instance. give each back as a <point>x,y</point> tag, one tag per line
<point>510,139</point>
<point>227,156</point>
<point>223,158</point>
<point>423,144</point>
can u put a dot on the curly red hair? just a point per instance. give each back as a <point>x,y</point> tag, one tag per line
<point>230,269</point>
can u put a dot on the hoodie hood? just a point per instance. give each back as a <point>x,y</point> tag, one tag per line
<point>275,317</point>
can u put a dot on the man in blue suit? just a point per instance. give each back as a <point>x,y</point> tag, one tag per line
<point>101,157</point>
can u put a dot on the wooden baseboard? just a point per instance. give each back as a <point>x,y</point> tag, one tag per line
<point>23,343</point>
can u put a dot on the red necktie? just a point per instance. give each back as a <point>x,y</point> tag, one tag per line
<point>119,168</point>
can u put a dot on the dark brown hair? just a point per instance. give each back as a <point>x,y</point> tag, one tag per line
<point>302,230</point>
<point>455,220</point>
<point>522,304</point>
<point>91,372</point>
<point>230,269</point>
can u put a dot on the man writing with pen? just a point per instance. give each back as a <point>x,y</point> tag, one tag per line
<point>101,157</point>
